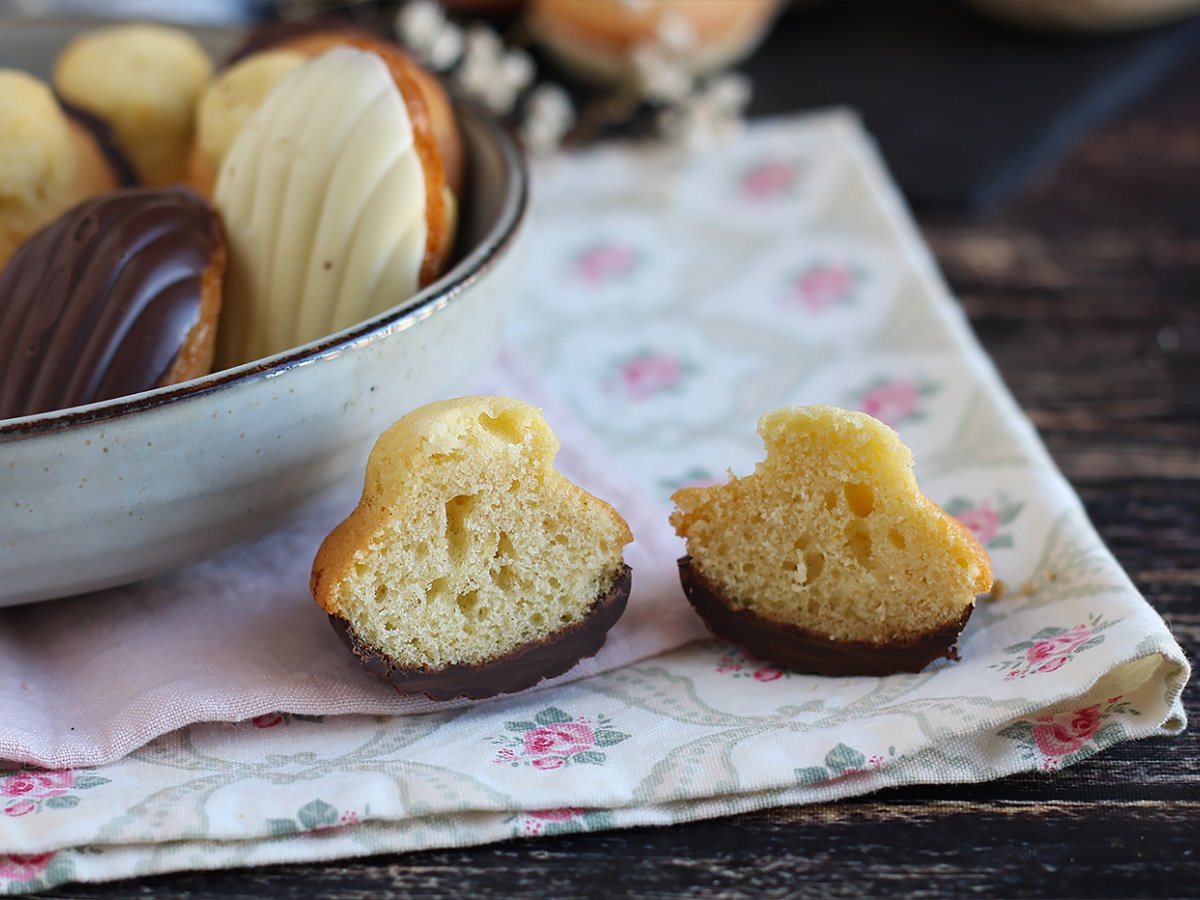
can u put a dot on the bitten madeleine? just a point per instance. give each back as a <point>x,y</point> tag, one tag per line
<point>143,80</point>
<point>119,295</point>
<point>828,558</point>
<point>472,567</point>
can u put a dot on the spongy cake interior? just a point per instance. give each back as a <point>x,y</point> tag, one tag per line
<point>468,543</point>
<point>831,533</point>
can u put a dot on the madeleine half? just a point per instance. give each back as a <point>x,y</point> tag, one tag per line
<point>471,566</point>
<point>828,558</point>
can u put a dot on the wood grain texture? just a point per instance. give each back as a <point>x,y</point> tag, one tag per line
<point>1086,292</point>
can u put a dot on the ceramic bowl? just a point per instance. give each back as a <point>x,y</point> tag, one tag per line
<point>113,492</point>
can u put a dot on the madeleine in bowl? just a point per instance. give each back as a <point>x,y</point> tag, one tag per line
<point>118,490</point>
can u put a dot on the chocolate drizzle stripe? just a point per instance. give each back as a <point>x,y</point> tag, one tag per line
<point>517,670</point>
<point>806,651</point>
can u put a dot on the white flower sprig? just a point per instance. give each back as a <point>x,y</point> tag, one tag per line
<point>710,115</point>
<point>549,115</point>
<point>478,63</point>
<point>694,114</point>
<point>422,26</point>
<point>691,114</point>
<point>659,68</point>
<point>491,73</point>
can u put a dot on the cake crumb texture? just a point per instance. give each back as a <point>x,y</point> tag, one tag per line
<point>832,534</point>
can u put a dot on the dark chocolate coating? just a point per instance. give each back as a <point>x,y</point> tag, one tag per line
<point>515,671</point>
<point>122,168</point>
<point>98,304</point>
<point>805,651</point>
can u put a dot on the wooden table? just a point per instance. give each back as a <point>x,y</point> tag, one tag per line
<point>1086,292</point>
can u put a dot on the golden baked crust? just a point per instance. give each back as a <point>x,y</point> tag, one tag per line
<point>143,80</point>
<point>831,534</point>
<point>195,357</point>
<point>467,543</point>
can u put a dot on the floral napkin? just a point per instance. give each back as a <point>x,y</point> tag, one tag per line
<point>669,303</point>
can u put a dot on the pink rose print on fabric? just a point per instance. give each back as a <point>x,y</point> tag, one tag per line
<point>20,808</point>
<point>983,521</point>
<point>739,664</point>
<point>32,791</point>
<point>1051,648</point>
<point>1049,654</point>
<point>19,868</point>
<point>554,738</point>
<point>646,374</point>
<point>37,783</point>
<point>604,263</point>
<point>821,287</point>
<point>560,740</point>
<point>986,519</point>
<point>895,401</point>
<point>1061,736</point>
<point>768,180</point>
<point>1061,739</point>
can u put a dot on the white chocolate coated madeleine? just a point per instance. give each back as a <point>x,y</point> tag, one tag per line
<point>323,199</point>
<point>227,102</point>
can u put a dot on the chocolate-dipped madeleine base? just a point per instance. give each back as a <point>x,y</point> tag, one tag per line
<point>805,651</point>
<point>517,670</point>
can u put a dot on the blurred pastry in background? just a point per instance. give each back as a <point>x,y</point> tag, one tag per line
<point>143,80</point>
<point>598,39</point>
<point>49,159</point>
<point>226,103</point>
<point>1085,16</point>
